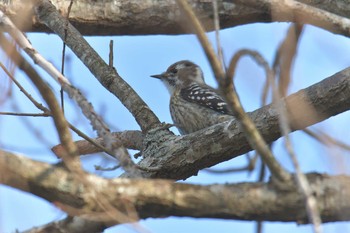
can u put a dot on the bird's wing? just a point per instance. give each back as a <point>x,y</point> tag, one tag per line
<point>206,97</point>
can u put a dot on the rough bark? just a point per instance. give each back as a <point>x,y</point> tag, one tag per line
<point>179,157</point>
<point>161,198</point>
<point>169,156</point>
<point>105,74</point>
<point>136,17</point>
<point>182,157</point>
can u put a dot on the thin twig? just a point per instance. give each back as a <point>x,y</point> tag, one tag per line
<point>249,167</point>
<point>217,32</point>
<point>25,114</point>
<point>283,63</point>
<point>303,184</point>
<point>70,159</point>
<point>109,78</point>
<point>254,137</point>
<point>21,88</point>
<point>262,173</point>
<point>87,109</point>
<point>326,139</point>
<point>99,168</point>
<point>111,55</point>
<point>65,37</point>
<point>64,51</point>
<point>90,140</point>
<point>46,112</point>
<point>229,170</point>
<point>206,45</point>
<point>311,204</point>
<point>284,57</point>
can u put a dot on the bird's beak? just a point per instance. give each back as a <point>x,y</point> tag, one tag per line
<point>158,76</point>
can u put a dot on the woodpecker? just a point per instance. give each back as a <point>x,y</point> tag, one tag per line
<point>193,104</point>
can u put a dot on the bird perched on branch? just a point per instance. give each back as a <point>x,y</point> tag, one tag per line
<point>193,104</point>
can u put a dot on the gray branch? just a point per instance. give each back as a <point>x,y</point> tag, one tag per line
<point>134,17</point>
<point>179,157</point>
<point>161,198</point>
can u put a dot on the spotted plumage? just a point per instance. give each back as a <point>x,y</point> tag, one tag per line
<point>204,96</point>
<point>193,104</point>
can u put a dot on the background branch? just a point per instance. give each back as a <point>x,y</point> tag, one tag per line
<point>243,201</point>
<point>148,17</point>
<point>106,75</point>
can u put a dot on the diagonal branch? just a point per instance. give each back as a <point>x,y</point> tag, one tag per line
<point>86,107</point>
<point>106,75</point>
<point>70,156</point>
<point>131,139</point>
<point>253,135</point>
<point>182,157</point>
<point>190,153</point>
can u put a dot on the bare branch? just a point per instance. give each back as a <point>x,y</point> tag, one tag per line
<point>326,139</point>
<point>25,114</point>
<point>301,179</point>
<point>244,201</point>
<point>70,157</point>
<point>181,157</point>
<point>203,39</point>
<point>217,33</point>
<point>23,90</point>
<point>227,87</point>
<point>150,17</point>
<point>87,109</point>
<point>131,139</point>
<point>295,11</point>
<point>46,112</point>
<point>284,57</point>
<point>107,76</point>
<point>249,167</point>
<point>111,54</point>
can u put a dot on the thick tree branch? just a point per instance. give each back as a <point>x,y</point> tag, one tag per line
<point>109,17</point>
<point>160,198</point>
<point>182,157</point>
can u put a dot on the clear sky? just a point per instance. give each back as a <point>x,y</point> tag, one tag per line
<point>320,54</point>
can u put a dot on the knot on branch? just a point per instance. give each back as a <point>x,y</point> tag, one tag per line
<point>156,140</point>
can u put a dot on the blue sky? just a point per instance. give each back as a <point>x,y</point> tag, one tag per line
<point>320,54</point>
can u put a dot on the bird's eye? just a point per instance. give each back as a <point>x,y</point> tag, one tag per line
<point>174,71</point>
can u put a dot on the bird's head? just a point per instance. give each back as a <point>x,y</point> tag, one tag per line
<point>181,74</point>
